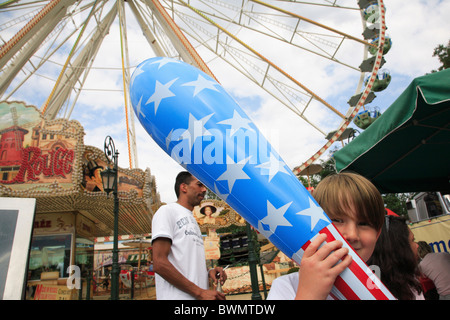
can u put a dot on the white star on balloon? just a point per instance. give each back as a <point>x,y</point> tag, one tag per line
<point>237,122</point>
<point>275,217</point>
<point>195,129</point>
<point>163,61</point>
<point>234,172</point>
<point>264,232</point>
<point>200,84</point>
<point>272,167</point>
<point>222,196</point>
<point>136,73</point>
<point>315,213</point>
<point>138,108</point>
<point>161,92</point>
<point>169,139</point>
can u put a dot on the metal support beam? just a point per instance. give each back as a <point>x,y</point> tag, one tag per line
<point>146,31</point>
<point>72,74</point>
<point>26,42</point>
<point>179,40</point>
<point>129,116</point>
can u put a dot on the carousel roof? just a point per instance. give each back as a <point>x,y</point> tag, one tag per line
<point>63,175</point>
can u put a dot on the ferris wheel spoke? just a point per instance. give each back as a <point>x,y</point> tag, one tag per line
<point>325,3</point>
<point>316,40</point>
<point>269,66</point>
<point>144,25</point>
<point>228,51</point>
<point>42,21</point>
<point>13,55</point>
<point>312,22</point>
<point>211,36</point>
<point>71,75</point>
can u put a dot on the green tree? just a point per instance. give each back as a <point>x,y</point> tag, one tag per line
<point>397,203</point>
<point>443,54</point>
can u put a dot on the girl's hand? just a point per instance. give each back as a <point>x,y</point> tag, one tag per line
<point>319,268</point>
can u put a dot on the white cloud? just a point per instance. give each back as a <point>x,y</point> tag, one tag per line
<point>416,28</point>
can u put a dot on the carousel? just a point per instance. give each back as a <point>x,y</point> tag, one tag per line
<point>47,160</point>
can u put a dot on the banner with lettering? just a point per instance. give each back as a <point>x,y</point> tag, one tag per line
<point>54,292</point>
<point>34,151</point>
<point>435,232</point>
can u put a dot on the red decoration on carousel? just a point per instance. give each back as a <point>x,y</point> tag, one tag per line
<point>34,163</point>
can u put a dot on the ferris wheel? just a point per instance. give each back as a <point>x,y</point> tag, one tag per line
<point>273,44</point>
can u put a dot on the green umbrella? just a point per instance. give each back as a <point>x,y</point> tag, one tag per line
<point>407,149</point>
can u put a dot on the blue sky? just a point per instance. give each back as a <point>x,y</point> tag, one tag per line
<point>416,28</point>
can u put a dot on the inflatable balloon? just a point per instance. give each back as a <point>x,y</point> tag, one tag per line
<point>201,126</point>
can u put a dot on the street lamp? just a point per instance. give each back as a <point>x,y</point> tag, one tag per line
<point>252,262</point>
<point>109,179</point>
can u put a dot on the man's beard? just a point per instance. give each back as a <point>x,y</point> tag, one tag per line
<point>196,201</point>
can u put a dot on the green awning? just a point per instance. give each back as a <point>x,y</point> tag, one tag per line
<point>407,149</point>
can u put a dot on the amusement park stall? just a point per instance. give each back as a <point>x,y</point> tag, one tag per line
<point>47,160</point>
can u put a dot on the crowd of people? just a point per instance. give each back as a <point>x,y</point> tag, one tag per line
<point>410,270</point>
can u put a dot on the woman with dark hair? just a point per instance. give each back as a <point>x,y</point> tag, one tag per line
<point>396,255</point>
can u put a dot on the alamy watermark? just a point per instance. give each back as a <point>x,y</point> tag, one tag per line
<point>213,146</point>
<point>374,281</point>
<point>74,279</point>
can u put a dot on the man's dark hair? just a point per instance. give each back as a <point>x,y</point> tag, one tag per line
<point>182,177</point>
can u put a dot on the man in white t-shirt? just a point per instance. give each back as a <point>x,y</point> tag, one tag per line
<point>178,253</point>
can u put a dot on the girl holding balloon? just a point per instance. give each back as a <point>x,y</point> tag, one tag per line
<point>357,210</point>
<point>189,115</point>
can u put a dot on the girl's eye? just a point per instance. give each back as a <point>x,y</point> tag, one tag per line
<point>337,220</point>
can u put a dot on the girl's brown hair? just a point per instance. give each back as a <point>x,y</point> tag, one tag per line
<point>339,192</point>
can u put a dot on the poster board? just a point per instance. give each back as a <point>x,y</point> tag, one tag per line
<point>16,226</point>
<point>435,232</point>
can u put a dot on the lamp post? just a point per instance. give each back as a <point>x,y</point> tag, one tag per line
<point>252,262</point>
<point>109,179</point>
